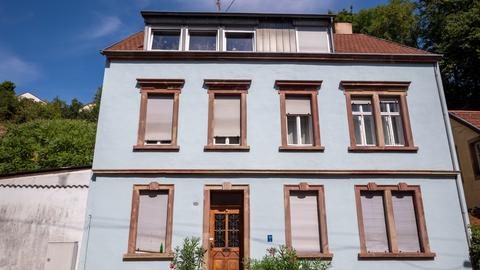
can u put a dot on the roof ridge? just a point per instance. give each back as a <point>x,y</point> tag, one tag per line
<point>392,42</point>
<point>122,40</point>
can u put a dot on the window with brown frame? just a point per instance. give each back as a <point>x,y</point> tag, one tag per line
<point>305,220</point>
<point>299,115</point>
<point>158,124</point>
<point>378,116</point>
<point>475,153</point>
<point>227,115</point>
<point>391,222</point>
<point>150,234</point>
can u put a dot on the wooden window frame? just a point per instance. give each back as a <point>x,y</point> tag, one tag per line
<point>299,88</point>
<point>375,91</point>
<point>475,161</point>
<point>158,87</point>
<point>390,223</point>
<point>132,238</point>
<point>322,220</point>
<point>227,87</point>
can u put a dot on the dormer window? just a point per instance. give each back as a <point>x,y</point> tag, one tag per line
<point>166,40</point>
<point>202,40</point>
<point>239,41</point>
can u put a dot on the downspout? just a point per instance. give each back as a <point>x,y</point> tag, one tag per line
<point>332,43</point>
<point>453,153</point>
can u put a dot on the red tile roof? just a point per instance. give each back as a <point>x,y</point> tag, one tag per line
<point>344,43</point>
<point>469,117</point>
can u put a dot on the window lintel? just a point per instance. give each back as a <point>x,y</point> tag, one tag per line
<point>160,84</point>
<point>298,85</point>
<point>375,85</point>
<point>220,84</point>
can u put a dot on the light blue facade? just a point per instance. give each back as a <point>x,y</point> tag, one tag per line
<point>110,196</point>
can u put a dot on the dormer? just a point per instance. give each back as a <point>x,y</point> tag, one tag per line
<point>237,32</point>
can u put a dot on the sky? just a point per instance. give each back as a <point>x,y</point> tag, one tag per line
<point>51,48</point>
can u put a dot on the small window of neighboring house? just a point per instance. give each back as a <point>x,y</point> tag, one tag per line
<point>202,40</point>
<point>151,222</point>
<point>227,115</point>
<point>158,114</point>
<point>300,127</point>
<point>391,222</point>
<point>313,39</point>
<point>166,40</point>
<point>475,150</point>
<point>378,116</point>
<point>239,41</point>
<point>306,230</point>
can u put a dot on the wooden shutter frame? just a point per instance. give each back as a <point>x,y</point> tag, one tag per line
<point>132,238</point>
<point>390,223</point>
<point>158,87</point>
<point>325,254</point>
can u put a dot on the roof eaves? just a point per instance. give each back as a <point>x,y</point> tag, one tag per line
<point>464,122</point>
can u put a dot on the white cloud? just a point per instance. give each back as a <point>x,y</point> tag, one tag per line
<point>14,68</point>
<point>104,26</point>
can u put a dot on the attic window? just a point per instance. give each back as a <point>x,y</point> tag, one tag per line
<point>239,41</point>
<point>166,40</point>
<point>202,40</point>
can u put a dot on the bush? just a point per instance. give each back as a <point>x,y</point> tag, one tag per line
<point>475,247</point>
<point>284,259</point>
<point>190,256</point>
<point>47,144</point>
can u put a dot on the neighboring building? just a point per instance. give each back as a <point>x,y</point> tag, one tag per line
<point>42,218</point>
<point>28,95</point>
<point>87,107</point>
<point>258,130</point>
<point>466,132</point>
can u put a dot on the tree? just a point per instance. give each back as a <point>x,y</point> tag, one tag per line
<point>452,28</point>
<point>8,101</point>
<point>47,144</point>
<point>396,21</point>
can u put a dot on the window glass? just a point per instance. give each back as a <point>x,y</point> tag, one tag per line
<point>477,153</point>
<point>152,221</point>
<point>305,128</point>
<point>238,41</point>
<point>226,122</point>
<point>405,222</point>
<point>363,122</point>
<point>299,124</point>
<point>203,40</point>
<point>159,119</point>
<point>392,122</point>
<point>304,221</point>
<point>376,239</point>
<point>166,40</point>
<point>292,129</point>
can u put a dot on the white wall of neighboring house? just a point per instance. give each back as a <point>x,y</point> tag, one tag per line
<point>31,96</point>
<point>40,215</point>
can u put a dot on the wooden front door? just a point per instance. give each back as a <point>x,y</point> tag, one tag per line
<point>225,239</point>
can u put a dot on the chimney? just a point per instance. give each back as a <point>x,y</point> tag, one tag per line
<point>343,28</point>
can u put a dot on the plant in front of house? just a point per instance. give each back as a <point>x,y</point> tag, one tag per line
<point>284,259</point>
<point>190,256</point>
<point>475,246</point>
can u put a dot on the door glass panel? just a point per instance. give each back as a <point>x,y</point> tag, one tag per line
<point>219,230</point>
<point>233,230</point>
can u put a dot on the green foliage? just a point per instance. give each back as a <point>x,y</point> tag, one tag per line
<point>475,248</point>
<point>8,100</point>
<point>284,259</point>
<point>452,28</point>
<point>190,256</point>
<point>47,144</point>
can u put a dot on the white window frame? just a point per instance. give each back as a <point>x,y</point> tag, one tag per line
<point>151,31</point>
<point>227,140</point>
<point>224,39</point>
<point>362,114</point>
<point>328,40</point>
<point>299,129</point>
<point>389,115</point>
<point>187,38</point>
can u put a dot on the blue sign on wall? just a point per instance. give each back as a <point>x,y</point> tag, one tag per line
<point>269,238</point>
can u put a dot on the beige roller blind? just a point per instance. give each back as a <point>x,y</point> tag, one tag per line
<point>226,116</point>
<point>159,118</point>
<point>405,222</point>
<point>304,221</point>
<point>298,105</point>
<point>313,39</point>
<point>152,221</point>
<point>374,222</point>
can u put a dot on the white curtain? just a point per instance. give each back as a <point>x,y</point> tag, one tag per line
<point>159,118</point>
<point>304,221</point>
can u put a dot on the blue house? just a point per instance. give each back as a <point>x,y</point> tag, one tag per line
<point>252,131</point>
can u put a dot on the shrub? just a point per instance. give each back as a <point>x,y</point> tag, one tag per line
<point>284,259</point>
<point>190,256</point>
<point>475,247</point>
